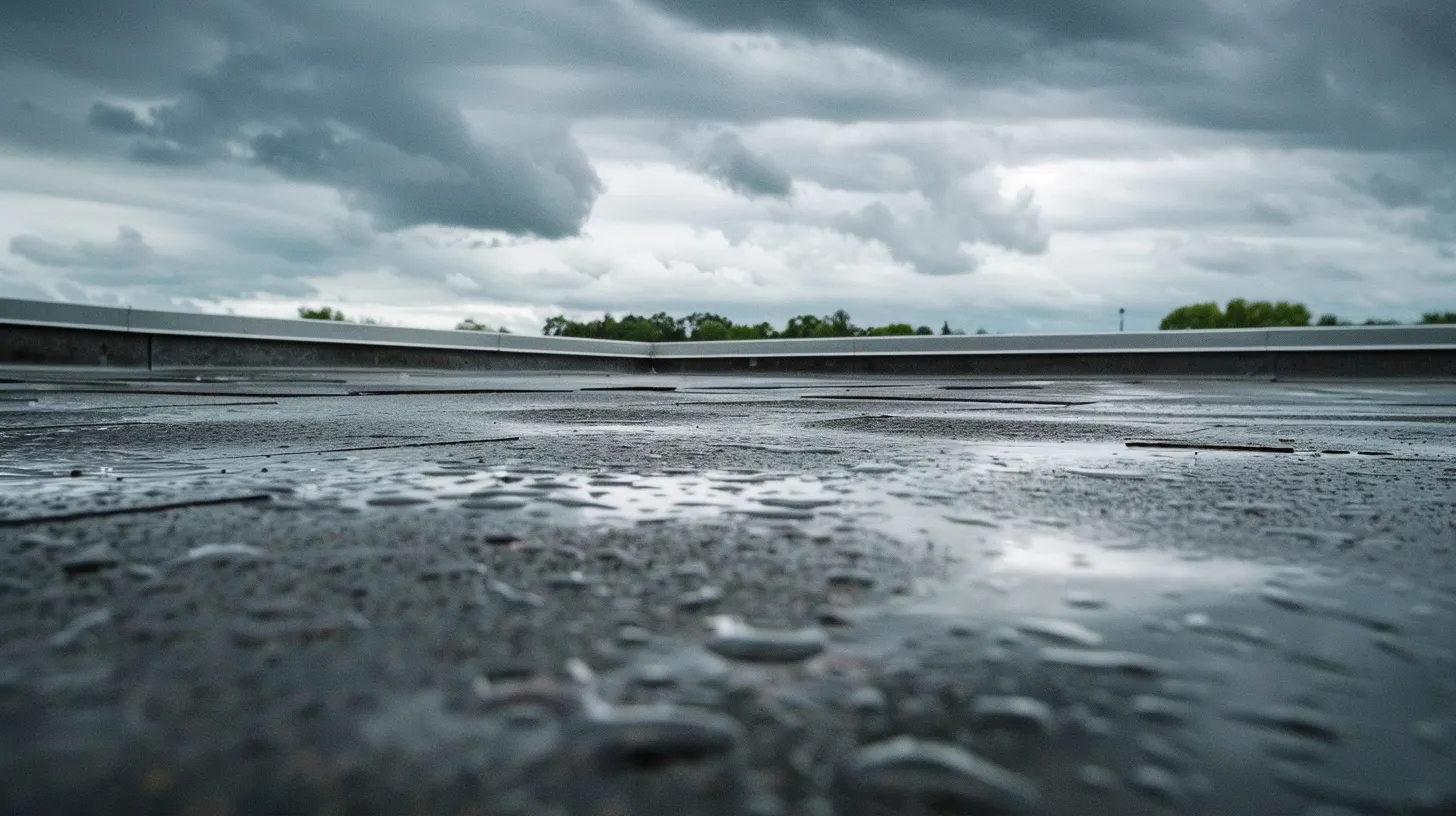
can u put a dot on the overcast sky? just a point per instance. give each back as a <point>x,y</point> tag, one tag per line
<point>1019,166</point>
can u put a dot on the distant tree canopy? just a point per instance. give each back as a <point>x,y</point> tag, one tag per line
<point>664,328</point>
<point>330,313</point>
<point>471,324</point>
<point>321,313</point>
<point>1239,314</point>
<point>1242,314</point>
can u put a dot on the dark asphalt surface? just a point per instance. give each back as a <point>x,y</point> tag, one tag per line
<point>343,592</point>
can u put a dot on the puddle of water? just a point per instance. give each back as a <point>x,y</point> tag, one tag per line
<point>1164,678</point>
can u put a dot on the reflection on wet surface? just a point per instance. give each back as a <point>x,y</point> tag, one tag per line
<point>1026,669</point>
<point>755,620</point>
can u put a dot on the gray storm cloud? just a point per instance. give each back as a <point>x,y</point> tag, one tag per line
<point>1338,73</point>
<point>459,114</point>
<point>729,161</point>
<point>127,250</point>
<point>316,91</point>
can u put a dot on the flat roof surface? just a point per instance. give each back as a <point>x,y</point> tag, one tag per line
<point>403,591</point>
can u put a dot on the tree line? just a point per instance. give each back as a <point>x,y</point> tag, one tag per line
<point>330,313</point>
<point>664,328</point>
<point>1259,314</point>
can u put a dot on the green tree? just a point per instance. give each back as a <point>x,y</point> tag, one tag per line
<point>890,330</point>
<point>1194,316</point>
<point>711,330</point>
<point>1438,317</point>
<point>804,326</point>
<point>320,313</point>
<point>1238,314</point>
<point>663,328</point>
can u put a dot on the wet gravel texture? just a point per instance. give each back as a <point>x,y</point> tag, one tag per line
<point>334,592</point>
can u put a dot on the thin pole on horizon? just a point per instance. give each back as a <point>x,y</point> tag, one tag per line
<point>1121,312</point>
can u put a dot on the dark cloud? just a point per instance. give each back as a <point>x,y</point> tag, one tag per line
<point>295,249</point>
<point>1262,263</point>
<point>128,250</point>
<point>164,154</point>
<point>116,119</point>
<point>325,92</point>
<point>729,161</point>
<point>935,28</point>
<point>1371,75</point>
<point>1422,200</point>
<point>394,151</point>
<point>1274,210</point>
<point>1391,191</point>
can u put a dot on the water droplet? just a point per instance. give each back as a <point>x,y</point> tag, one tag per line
<point>692,569</point>
<point>651,738</point>
<point>396,501</point>
<point>91,560</point>
<point>856,578</point>
<point>778,514</point>
<point>1161,709</point>
<point>500,503</point>
<point>516,596</point>
<point>1107,474</point>
<point>220,554</point>
<point>71,635</point>
<point>1158,783</point>
<point>655,675</point>
<point>1252,508</point>
<point>700,598</point>
<point>796,503</point>
<point>574,579</point>
<point>1310,604</point>
<point>633,636</point>
<point>1295,720</point>
<point>1097,777</point>
<point>1025,714</point>
<point>1084,600</point>
<point>974,521</point>
<point>738,641</point>
<point>868,700</point>
<point>1131,663</point>
<point>907,774</point>
<point>1062,631</point>
<point>576,502</point>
